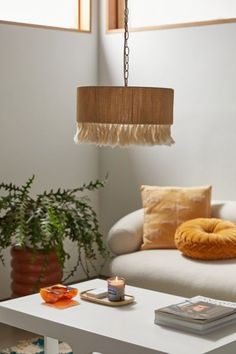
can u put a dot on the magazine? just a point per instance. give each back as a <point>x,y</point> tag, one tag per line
<point>198,314</point>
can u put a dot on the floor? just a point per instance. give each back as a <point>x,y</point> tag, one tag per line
<point>9,336</point>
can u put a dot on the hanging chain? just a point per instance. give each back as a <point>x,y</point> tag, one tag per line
<point>126,46</point>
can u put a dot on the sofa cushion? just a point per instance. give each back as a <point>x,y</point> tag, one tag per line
<point>165,208</point>
<point>204,238</point>
<point>169,271</point>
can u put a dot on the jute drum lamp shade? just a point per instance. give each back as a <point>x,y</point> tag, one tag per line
<point>114,115</point>
<point>124,115</point>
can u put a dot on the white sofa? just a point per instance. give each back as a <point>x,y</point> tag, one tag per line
<point>168,270</point>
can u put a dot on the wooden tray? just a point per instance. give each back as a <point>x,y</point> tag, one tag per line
<point>129,299</point>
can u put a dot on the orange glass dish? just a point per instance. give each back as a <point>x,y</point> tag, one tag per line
<point>57,292</point>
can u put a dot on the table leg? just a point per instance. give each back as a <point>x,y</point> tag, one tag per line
<point>51,346</point>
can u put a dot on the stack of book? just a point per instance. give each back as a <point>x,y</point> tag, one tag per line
<point>199,315</point>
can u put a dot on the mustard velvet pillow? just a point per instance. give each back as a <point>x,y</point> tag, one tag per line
<point>165,208</point>
<point>207,239</point>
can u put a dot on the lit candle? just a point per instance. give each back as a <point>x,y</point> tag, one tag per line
<point>116,289</point>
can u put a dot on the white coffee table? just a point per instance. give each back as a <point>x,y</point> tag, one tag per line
<point>129,329</point>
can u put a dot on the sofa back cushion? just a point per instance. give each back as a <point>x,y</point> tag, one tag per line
<point>224,209</point>
<point>165,208</point>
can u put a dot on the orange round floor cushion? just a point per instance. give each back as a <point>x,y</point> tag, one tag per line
<point>204,238</point>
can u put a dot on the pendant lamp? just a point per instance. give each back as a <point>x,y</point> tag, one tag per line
<point>120,116</point>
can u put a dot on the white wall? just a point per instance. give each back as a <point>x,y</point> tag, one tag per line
<point>39,72</point>
<point>199,63</point>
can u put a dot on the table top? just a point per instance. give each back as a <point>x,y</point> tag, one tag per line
<point>132,323</point>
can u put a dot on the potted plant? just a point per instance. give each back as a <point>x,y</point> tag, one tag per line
<point>36,228</point>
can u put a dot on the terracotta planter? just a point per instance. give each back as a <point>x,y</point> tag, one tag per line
<point>32,272</point>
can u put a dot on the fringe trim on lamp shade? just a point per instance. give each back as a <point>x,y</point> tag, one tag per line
<point>123,134</point>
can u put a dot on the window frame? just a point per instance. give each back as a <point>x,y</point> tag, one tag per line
<point>115,15</point>
<point>32,25</point>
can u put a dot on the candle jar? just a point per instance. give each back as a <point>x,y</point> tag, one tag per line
<point>116,289</point>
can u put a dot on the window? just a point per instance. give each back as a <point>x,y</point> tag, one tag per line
<point>159,14</point>
<point>66,14</point>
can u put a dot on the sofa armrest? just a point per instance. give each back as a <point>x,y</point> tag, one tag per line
<point>126,234</point>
